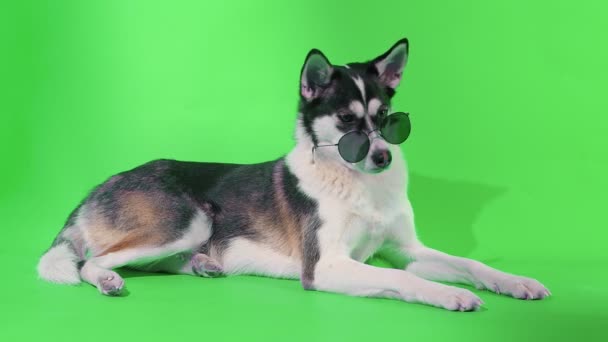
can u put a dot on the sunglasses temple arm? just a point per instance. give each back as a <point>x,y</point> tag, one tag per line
<point>317,146</point>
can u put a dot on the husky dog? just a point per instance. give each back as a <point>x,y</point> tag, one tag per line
<point>310,215</point>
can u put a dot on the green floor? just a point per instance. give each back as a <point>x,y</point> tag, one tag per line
<point>160,307</point>
<point>169,307</point>
<point>507,155</point>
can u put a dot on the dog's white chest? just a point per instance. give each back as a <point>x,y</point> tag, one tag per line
<point>356,228</point>
<point>357,211</point>
<point>367,236</point>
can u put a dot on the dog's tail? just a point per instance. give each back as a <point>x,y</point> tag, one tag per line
<point>60,264</point>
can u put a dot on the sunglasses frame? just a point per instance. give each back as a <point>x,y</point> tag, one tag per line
<point>379,130</point>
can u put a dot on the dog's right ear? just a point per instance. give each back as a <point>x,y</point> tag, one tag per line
<point>316,75</point>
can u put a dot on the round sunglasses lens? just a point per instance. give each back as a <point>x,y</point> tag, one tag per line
<point>396,128</point>
<point>353,146</point>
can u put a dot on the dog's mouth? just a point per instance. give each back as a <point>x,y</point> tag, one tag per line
<point>364,167</point>
<point>376,170</point>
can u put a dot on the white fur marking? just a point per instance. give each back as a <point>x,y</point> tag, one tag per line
<point>58,265</point>
<point>247,257</point>
<point>373,105</point>
<point>326,130</point>
<point>357,108</point>
<point>361,85</point>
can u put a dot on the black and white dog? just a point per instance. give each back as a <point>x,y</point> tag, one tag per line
<point>310,215</point>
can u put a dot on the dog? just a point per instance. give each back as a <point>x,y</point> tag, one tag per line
<point>311,215</point>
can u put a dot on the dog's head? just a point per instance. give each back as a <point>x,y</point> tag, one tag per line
<point>335,100</point>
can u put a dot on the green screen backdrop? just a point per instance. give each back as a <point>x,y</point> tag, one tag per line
<point>508,154</point>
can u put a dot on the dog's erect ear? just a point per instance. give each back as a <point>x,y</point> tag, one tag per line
<point>316,75</point>
<point>390,65</point>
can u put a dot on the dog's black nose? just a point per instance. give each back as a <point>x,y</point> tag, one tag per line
<point>382,159</point>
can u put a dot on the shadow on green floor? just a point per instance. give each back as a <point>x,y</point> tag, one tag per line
<point>446,211</point>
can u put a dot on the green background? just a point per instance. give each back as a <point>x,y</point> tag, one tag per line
<point>507,155</point>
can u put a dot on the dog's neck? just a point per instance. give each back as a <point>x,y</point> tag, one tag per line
<point>326,176</point>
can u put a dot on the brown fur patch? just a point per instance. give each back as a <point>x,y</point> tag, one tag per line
<point>292,230</point>
<point>138,224</point>
<point>139,208</point>
<point>275,233</point>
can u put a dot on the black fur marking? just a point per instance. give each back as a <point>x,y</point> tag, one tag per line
<point>210,208</point>
<point>245,189</point>
<point>69,223</point>
<point>175,188</point>
<point>159,181</point>
<point>79,264</point>
<point>311,253</point>
<point>306,210</point>
<point>73,215</point>
<point>232,195</point>
<point>340,93</point>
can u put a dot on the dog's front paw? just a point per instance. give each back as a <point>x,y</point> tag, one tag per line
<point>453,298</point>
<point>518,287</point>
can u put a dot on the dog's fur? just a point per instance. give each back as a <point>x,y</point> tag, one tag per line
<point>296,217</point>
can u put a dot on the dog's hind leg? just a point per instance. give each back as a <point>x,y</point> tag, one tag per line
<point>203,265</point>
<point>136,248</point>
<point>98,270</point>
<point>168,258</point>
<point>107,281</point>
<point>197,264</point>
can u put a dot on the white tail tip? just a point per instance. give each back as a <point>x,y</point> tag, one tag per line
<point>58,265</point>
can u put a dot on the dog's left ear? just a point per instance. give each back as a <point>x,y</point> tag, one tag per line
<point>390,64</point>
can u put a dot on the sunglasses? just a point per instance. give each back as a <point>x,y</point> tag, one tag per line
<point>354,146</point>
